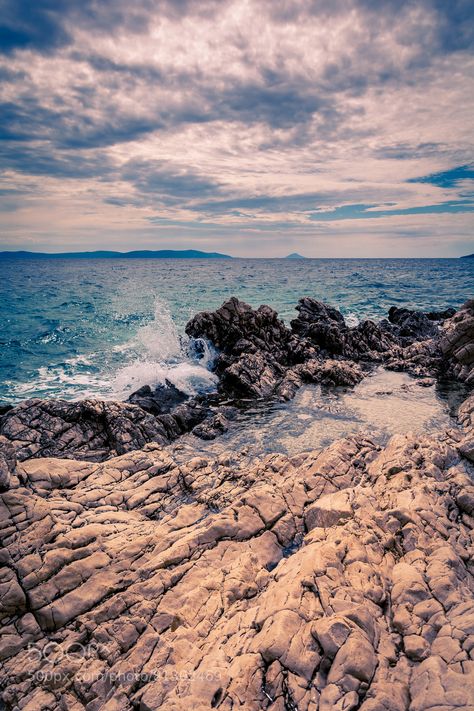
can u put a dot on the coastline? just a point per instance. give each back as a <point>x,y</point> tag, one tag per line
<point>333,579</point>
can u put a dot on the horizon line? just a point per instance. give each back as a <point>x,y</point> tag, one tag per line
<point>215,255</point>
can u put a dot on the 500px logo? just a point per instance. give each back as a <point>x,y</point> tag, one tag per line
<point>52,675</point>
<point>59,652</point>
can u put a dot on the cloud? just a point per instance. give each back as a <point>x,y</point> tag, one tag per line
<point>164,182</point>
<point>235,118</point>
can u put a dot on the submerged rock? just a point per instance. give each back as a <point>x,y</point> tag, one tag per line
<point>338,579</point>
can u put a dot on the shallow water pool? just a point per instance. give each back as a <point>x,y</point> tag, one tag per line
<point>383,404</point>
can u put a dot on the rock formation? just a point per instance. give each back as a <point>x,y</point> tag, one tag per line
<point>457,343</point>
<point>334,580</point>
<point>160,400</point>
<point>91,429</point>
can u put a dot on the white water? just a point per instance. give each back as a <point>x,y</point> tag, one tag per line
<point>155,355</point>
<point>164,356</point>
<point>160,339</point>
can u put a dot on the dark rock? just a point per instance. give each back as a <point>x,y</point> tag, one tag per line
<point>258,353</point>
<point>325,327</point>
<point>236,328</point>
<point>321,324</point>
<point>92,429</point>
<point>4,409</point>
<point>253,375</point>
<point>216,424</point>
<point>368,341</point>
<point>412,325</point>
<point>441,315</point>
<point>259,357</point>
<point>160,400</point>
<point>255,347</point>
<point>422,359</point>
<point>333,373</point>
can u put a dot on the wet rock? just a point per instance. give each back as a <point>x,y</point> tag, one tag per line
<point>255,348</point>
<point>159,400</point>
<point>466,417</point>
<point>441,315</point>
<point>236,328</point>
<point>412,325</point>
<point>216,424</point>
<point>325,327</point>
<point>320,323</point>
<point>91,429</point>
<point>335,373</point>
<point>252,375</point>
<point>259,357</point>
<point>422,359</point>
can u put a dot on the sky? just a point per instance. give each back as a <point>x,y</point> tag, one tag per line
<point>334,128</point>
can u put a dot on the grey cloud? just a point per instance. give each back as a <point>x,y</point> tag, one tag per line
<point>41,160</point>
<point>46,25</point>
<point>165,182</point>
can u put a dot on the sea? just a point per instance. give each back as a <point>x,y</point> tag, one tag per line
<point>103,327</point>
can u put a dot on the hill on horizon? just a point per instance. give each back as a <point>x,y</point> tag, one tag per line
<point>106,254</point>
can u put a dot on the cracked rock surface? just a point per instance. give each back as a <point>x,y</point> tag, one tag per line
<point>91,429</point>
<point>335,580</point>
<point>457,342</point>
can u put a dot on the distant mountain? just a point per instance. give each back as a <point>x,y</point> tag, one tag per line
<point>137,254</point>
<point>468,256</point>
<point>295,255</point>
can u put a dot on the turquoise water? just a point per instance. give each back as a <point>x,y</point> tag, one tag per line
<point>104,327</point>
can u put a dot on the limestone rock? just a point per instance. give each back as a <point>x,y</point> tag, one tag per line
<point>339,579</point>
<point>7,462</point>
<point>457,342</point>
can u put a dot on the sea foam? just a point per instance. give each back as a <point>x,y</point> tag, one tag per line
<point>163,357</point>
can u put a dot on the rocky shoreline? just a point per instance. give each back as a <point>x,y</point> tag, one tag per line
<point>337,579</point>
<point>259,358</point>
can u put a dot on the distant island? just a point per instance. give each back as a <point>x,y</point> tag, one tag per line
<point>294,255</point>
<point>468,256</point>
<point>137,254</point>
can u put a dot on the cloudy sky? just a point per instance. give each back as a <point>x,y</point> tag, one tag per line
<point>253,127</point>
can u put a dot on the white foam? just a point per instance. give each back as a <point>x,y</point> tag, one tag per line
<point>351,320</point>
<point>165,357</point>
<point>160,338</point>
<point>190,378</point>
